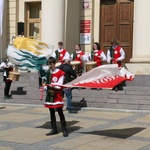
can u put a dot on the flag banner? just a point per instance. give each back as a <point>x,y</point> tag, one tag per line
<point>1,16</point>
<point>105,76</point>
<point>28,54</point>
<point>125,73</point>
<point>106,82</point>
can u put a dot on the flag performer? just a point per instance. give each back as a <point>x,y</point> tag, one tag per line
<point>54,96</point>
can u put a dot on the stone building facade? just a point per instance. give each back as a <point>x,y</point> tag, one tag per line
<point>84,22</point>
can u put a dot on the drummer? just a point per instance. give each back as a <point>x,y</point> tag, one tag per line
<point>7,66</point>
<point>60,53</point>
<point>97,54</point>
<point>79,55</point>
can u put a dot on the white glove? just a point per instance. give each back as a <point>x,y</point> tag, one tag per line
<point>45,88</point>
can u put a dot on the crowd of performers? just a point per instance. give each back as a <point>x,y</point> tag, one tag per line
<point>63,68</point>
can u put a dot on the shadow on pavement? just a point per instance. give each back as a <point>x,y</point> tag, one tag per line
<point>79,105</point>
<point>117,133</point>
<point>19,91</point>
<point>70,127</point>
<point>2,107</point>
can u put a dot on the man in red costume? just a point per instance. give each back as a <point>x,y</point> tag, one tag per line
<point>115,53</point>
<point>54,96</point>
<point>80,56</point>
<point>60,53</point>
<point>97,54</point>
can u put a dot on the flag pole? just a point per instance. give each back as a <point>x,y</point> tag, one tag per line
<point>1,47</point>
<point>1,25</point>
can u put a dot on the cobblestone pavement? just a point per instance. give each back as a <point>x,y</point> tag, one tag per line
<point>23,127</point>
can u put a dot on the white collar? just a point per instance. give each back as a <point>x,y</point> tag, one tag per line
<point>55,71</point>
<point>60,50</point>
<point>78,51</point>
<point>95,50</point>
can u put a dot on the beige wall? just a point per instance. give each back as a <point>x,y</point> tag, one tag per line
<point>9,25</point>
<point>87,14</point>
<point>96,21</point>
<point>11,17</point>
<point>72,24</point>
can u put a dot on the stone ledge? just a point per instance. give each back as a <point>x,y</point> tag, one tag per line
<point>138,68</point>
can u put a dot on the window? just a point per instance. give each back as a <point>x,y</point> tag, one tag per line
<point>33,20</point>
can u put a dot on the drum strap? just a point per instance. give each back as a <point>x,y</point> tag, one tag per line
<point>74,55</point>
<point>50,91</point>
<point>57,54</point>
<point>111,53</point>
<point>92,55</point>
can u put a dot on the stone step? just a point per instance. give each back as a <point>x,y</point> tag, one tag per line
<point>135,95</point>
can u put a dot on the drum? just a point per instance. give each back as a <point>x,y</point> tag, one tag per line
<point>58,64</point>
<point>90,65</point>
<point>76,66</point>
<point>14,76</point>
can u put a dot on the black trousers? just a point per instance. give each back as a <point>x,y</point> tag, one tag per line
<point>40,81</point>
<point>7,88</point>
<point>60,112</point>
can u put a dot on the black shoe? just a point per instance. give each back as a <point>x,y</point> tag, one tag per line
<point>69,108</point>
<point>10,96</point>
<point>6,97</point>
<point>99,89</point>
<point>71,111</point>
<point>52,132</point>
<point>65,133</point>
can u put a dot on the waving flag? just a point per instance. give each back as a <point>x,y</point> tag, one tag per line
<point>28,54</point>
<point>105,76</point>
<point>1,16</point>
<point>106,82</point>
<point>125,73</point>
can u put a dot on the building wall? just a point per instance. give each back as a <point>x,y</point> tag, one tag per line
<point>11,20</point>
<point>72,24</point>
<point>3,37</point>
<point>9,26</point>
<point>74,13</point>
<point>87,14</point>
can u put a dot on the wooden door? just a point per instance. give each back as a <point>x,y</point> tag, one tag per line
<point>117,22</point>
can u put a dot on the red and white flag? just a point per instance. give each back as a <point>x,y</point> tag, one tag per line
<point>105,83</point>
<point>105,76</point>
<point>125,73</point>
<point>1,16</point>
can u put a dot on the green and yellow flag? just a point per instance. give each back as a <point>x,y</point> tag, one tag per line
<point>28,54</point>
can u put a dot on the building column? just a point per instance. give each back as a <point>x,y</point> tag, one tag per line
<point>3,39</point>
<point>140,61</point>
<point>53,21</point>
<point>141,32</point>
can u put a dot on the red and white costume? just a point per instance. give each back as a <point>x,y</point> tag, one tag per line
<point>99,56</point>
<point>57,78</point>
<point>118,56</point>
<point>62,53</point>
<point>79,56</point>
